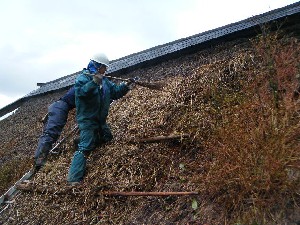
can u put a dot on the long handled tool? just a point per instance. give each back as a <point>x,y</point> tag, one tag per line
<point>33,187</point>
<point>154,86</point>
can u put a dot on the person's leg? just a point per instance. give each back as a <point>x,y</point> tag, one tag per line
<point>88,141</point>
<point>57,118</point>
<point>105,134</point>
<point>42,151</point>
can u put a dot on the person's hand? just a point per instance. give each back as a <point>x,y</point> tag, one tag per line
<point>97,78</point>
<point>131,81</point>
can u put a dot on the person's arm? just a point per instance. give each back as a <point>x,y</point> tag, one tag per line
<point>84,87</point>
<point>118,91</point>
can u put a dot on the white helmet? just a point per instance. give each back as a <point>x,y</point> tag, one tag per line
<point>101,58</point>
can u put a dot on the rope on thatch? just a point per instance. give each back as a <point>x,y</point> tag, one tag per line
<point>31,187</point>
<point>135,193</point>
<point>162,138</point>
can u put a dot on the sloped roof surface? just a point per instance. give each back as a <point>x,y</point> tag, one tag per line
<point>221,97</point>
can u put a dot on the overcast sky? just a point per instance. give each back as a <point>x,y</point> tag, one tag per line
<point>43,40</point>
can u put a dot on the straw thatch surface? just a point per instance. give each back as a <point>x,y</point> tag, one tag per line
<point>189,103</point>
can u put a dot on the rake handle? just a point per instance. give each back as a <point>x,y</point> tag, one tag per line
<point>143,84</point>
<point>117,78</point>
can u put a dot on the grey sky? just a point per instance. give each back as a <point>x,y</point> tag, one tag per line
<point>43,40</point>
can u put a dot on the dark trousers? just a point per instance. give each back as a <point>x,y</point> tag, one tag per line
<point>57,119</point>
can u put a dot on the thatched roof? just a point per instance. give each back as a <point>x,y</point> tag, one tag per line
<point>238,102</point>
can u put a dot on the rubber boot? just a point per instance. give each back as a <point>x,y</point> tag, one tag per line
<point>77,168</point>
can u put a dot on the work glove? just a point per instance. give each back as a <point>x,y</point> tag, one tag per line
<point>97,78</point>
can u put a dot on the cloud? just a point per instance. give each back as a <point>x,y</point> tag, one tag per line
<point>5,100</point>
<point>45,41</point>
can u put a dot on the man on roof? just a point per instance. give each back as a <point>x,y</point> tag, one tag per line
<point>93,95</point>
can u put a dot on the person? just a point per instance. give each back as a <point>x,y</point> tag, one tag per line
<point>56,120</point>
<point>93,95</point>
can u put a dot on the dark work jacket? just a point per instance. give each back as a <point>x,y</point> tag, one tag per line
<point>92,102</point>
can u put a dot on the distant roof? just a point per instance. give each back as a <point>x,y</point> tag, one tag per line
<point>170,50</point>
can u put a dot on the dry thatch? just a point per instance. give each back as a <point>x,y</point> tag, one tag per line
<point>211,96</point>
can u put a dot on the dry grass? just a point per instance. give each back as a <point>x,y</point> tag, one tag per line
<point>18,137</point>
<point>249,130</point>
<point>239,104</point>
<point>12,171</point>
